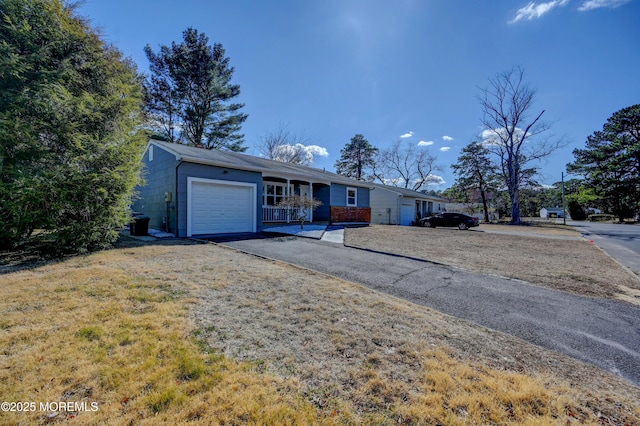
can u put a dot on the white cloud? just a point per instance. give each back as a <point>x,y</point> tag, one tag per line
<point>406,135</point>
<point>306,152</point>
<point>445,148</point>
<point>425,143</point>
<point>496,136</point>
<point>430,180</point>
<point>434,180</point>
<point>534,10</point>
<point>447,138</point>
<point>597,4</point>
<point>318,150</point>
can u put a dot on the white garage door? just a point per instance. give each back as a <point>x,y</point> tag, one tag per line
<point>407,214</point>
<point>219,207</point>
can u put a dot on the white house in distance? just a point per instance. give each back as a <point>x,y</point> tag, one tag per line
<point>391,205</point>
<point>548,212</point>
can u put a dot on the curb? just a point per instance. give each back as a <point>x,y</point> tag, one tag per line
<point>626,268</point>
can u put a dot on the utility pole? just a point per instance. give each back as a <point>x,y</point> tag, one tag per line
<point>564,207</point>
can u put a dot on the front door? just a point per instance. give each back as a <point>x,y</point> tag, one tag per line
<point>305,191</point>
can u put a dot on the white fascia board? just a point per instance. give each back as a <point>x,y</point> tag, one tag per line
<point>163,147</point>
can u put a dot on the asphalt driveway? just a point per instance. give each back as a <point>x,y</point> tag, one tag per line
<point>605,333</point>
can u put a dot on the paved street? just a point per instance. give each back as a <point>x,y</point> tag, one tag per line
<point>621,241</point>
<point>603,332</point>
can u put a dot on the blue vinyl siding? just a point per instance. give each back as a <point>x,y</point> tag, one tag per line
<point>322,193</point>
<point>339,195</point>
<point>160,177</point>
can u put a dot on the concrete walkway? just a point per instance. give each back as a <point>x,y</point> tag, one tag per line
<point>334,234</point>
<point>331,233</point>
<point>308,231</point>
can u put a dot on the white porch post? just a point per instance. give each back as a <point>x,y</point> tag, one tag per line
<point>287,195</point>
<point>311,198</point>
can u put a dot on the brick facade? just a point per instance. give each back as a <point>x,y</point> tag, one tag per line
<point>350,214</point>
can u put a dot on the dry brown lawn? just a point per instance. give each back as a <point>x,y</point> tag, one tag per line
<point>175,333</point>
<point>521,252</point>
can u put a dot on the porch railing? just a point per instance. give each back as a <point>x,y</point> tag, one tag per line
<point>280,214</point>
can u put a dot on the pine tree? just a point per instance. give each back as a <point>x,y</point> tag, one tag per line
<point>611,162</point>
<point>356,158</point>
<point>189,94</point>
<point>475,172</point>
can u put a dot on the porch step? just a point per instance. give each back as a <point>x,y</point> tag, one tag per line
<point>351,224</point>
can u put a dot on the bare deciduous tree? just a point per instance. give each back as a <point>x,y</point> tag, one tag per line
<point>300,205</point>
<point>283,145</point>
<point>510,132</point>
<point>407,166</point>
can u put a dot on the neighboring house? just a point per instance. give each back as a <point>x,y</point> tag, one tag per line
<point>391,205</point>
<point>548,212</point>
<point>193,191</point>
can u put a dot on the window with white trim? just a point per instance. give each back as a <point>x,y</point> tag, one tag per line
<point>273,193</point>
<point>352,197</point>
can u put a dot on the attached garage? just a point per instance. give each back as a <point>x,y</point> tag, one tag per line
<point>407,214</point>
<point>220,207</point>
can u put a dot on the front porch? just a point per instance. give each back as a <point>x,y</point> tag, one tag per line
<point>340,203</point>
<point>276,189</point>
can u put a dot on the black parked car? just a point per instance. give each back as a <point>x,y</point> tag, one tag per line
<point>462,221</point>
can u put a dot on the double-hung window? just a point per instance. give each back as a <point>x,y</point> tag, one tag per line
<point>352,197</point>
<point>273,193</point>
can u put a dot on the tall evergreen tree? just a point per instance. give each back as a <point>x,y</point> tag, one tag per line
<point>356,158</point>
<point>189,94</point>
<point>611,162</point>
<point>69,109</point>
<point>476,173</point>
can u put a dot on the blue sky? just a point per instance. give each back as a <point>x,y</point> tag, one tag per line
<point>328,69</point>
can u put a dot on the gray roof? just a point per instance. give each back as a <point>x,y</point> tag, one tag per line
<point>234,160</point>
<point>408,192</point>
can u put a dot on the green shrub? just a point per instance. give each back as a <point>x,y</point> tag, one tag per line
<point>69,151</point>
<point>601,217</point>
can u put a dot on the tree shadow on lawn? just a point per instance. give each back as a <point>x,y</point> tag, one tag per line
<point>20,260</point>
<point>24,259</point>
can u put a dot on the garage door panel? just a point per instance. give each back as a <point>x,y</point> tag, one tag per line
<point>218,208</point>
<point>407,214</point>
